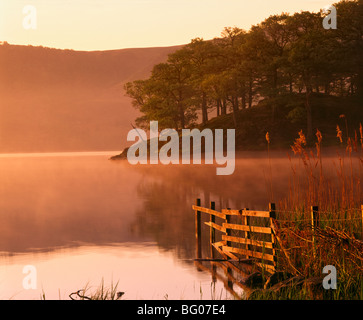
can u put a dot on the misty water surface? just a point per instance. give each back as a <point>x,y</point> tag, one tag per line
<point>80,218</point>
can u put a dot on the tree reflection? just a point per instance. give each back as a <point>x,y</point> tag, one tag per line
<point>167,194</point>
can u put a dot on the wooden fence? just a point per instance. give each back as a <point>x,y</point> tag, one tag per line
<point>248,234</point>
<point>245,234</point>
<point>248,239</point>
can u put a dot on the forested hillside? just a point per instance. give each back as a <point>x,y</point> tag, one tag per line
<point>289,65</point>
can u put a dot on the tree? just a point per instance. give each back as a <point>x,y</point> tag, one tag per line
<point>349,36</point>
<point>201,57</point>
<point>232,75</point>
<point>309,54</point>
<point>147,98</point>
<point>165,96</point>
<point>282,54</point>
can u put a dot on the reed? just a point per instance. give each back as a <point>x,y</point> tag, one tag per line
<point>337,239</point>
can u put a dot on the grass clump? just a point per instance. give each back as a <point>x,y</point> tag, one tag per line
<point>101,293</point>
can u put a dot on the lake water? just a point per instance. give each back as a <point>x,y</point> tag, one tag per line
<point>81,219</point>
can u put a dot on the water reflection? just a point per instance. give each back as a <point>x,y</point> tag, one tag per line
<point>139,269</point>
<point>48,202</point>
<point>51,202</point>
<point>168,192</point>
<point>61,205</point>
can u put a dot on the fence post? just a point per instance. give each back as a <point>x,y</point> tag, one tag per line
<point>246,221</point>
<point>272,210</point>
<point>314,216</point>
<point>314,224</point>
<point>212,235</point>
<point>228,231</point>
<point>212,232</point>
<point>198,230</point>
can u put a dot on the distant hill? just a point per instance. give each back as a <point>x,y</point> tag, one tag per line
<point>65,100</point>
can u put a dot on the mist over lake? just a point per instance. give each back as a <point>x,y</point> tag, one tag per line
<point>69,212</point>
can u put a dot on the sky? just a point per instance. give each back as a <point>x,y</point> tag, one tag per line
<point>117,24</point>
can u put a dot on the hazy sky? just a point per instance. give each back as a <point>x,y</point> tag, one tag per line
<point>116,24</point>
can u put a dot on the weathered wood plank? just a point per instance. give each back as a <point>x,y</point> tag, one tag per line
<point>247,228</point>
<point>272,209</point>
<point>212,231</point>
<point>228,231</point>
<point>248,241</point>
<point>231,255</point>
<point>210,211</point>
<point>222,253</point>
<point>255,254</point>
<point>246,221</point>
<point>198,230</point>
<point>243,212</point>
<point>218,245</point>
<point>215,226</point>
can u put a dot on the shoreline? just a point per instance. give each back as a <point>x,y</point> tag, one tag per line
<point>278,153</point>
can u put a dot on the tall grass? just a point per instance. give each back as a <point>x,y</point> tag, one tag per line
<point>336,189</point>
<point>338,196</point>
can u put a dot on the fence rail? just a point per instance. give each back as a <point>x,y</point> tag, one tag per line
<point>247,243</point>
<point>249,236</point>
<point>243,236</point>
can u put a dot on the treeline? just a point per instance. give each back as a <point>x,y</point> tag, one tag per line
<point>283,55</point>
